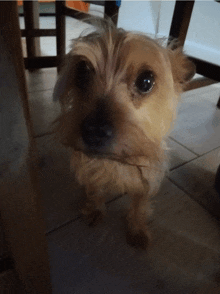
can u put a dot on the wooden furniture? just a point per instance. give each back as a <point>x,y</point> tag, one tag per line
<point>179,27</point>
<point>32,30</point>
<point>20,197</point>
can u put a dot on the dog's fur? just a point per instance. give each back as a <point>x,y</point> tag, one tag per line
<point>133,162</point>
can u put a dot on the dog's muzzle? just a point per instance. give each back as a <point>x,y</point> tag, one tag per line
<point>97,130</point>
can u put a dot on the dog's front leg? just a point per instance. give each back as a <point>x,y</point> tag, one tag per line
<point>138,234</point>
<point>94,209</point>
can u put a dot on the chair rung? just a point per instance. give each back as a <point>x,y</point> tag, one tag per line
<point>39,33</point>
<point>41,62</point>
<point>207,69</point>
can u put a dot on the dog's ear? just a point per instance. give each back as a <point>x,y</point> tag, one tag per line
<point>183,69</point>
<point>64,80</point>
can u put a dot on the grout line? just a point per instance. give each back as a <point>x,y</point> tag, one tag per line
<point>208,151</point>
<point>182,164</point>
<point>78,217</point>
<point>62,226</point>
<point>178,186</point>
<point>191,196</point>
<point>198,156</point>
<point>183,146</point>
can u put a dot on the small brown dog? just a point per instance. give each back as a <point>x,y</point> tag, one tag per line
<point>118,92</point>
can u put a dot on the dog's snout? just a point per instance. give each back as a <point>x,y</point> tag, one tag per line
<point>97,130</point>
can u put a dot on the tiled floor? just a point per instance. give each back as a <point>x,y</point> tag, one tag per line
<point>185,251</point>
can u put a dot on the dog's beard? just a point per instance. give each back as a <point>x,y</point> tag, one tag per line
<point>135,148</point>
<point>132,146</point>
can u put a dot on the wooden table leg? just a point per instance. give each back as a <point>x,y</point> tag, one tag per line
<point>20,198</point>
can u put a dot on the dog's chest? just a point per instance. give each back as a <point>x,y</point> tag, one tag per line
<point>112,177</point>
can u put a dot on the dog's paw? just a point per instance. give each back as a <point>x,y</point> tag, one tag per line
<point>91,214</point>
<point>138,240</point>
<point>94,217</point>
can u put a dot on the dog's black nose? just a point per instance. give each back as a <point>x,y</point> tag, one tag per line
<point>97,130</point>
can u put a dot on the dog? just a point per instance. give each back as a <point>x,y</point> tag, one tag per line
<point>118,93</point>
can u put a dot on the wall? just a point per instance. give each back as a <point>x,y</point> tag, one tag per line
<point>203,38</point>
<point>143,16</point>
<point>138,16</point>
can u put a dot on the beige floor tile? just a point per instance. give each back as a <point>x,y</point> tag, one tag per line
<point>197,178</point>
<point>43,110</point>
<point>176,211</point>
<point>198,121</point>
<point>178,154</point>
<point>41,79</point>
<point>182,256</point>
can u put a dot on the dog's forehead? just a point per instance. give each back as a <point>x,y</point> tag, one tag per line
<point>119,51</point>
<point>139,50</point>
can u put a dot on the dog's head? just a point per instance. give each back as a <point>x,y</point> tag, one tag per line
<point>119,92</point>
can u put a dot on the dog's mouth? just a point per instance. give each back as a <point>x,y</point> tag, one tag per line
<point>123,158</point>
<point>96,153</point>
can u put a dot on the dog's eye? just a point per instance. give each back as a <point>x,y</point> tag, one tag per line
<point>83,74</point>
<point>145,81</point>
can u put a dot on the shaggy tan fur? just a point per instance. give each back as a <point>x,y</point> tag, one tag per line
<point>134,160</point>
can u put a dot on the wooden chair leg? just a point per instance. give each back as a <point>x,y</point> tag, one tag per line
<point>60,27</point>
<point>181,19</point>
<point>31,17</point>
